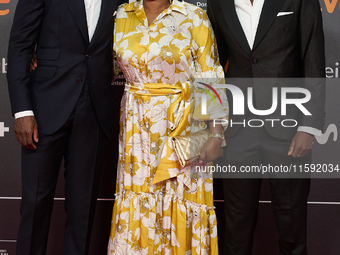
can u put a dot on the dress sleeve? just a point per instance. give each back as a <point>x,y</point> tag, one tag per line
<point>117,29</point>
<point>208,72</point>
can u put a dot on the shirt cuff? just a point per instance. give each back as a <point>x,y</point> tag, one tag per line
<point>310,130</point>
<point>23,114</point>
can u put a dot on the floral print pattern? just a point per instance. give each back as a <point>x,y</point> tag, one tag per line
<point>160,207</point>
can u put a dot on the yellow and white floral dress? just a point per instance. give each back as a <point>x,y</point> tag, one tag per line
<point>160,207</point>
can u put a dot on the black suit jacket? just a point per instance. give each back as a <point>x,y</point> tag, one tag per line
<point>289,46</point>
<point>66,60</point>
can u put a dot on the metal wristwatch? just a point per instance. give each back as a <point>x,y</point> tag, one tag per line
<point>219,135</point>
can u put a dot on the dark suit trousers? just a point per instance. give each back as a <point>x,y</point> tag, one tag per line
<point>254,146</point>
<point>82,144</point>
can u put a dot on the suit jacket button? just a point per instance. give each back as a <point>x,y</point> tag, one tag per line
<point>88,56</point>
<point>255,60</point>
<point>80,80</point>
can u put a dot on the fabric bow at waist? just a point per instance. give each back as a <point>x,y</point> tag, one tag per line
<point>168,167</point>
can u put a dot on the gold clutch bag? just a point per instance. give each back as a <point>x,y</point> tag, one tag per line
<point>189,147</point>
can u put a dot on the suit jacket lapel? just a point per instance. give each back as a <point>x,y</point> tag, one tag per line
<point>269,12</point>
<point>230,15</point>
<point>77,8</point>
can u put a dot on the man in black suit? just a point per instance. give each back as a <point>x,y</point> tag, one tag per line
<point>63,110</point>
<point>270,39</point>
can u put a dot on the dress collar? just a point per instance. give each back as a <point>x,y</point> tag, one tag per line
<point>174,6</point>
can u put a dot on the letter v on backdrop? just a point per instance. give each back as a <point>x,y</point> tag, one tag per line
<point>4,12</point>
<point>330,5</point>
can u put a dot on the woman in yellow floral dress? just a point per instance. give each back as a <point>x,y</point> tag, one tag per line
<point>160,207</point>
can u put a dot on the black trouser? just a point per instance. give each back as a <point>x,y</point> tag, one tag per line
<point>82,144</point>
<point>253,147</point>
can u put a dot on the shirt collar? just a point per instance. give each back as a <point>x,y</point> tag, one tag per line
<point>179,6</point>
<point>174,6</point>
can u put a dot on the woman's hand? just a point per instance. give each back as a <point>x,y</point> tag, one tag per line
<point>211,150</point>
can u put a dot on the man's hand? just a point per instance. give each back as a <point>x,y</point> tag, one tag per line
<point>211,150</point>
<point>301,144</point>
<point>26,131</point>
<point>34,61</point>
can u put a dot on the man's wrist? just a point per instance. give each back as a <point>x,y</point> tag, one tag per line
<point>310,130</point>
<point>23,114</point>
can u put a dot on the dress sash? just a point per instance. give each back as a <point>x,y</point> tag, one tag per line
<point>169,165</point>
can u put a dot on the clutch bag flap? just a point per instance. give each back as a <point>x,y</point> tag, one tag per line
<point>189,147</point>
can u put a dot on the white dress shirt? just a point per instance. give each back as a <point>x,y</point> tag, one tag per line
<point>92,8</point>
<point>249,17</point>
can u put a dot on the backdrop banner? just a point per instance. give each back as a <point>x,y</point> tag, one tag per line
<point>324,198</point>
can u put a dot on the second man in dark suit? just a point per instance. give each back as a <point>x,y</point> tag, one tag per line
<point>270,39</point>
